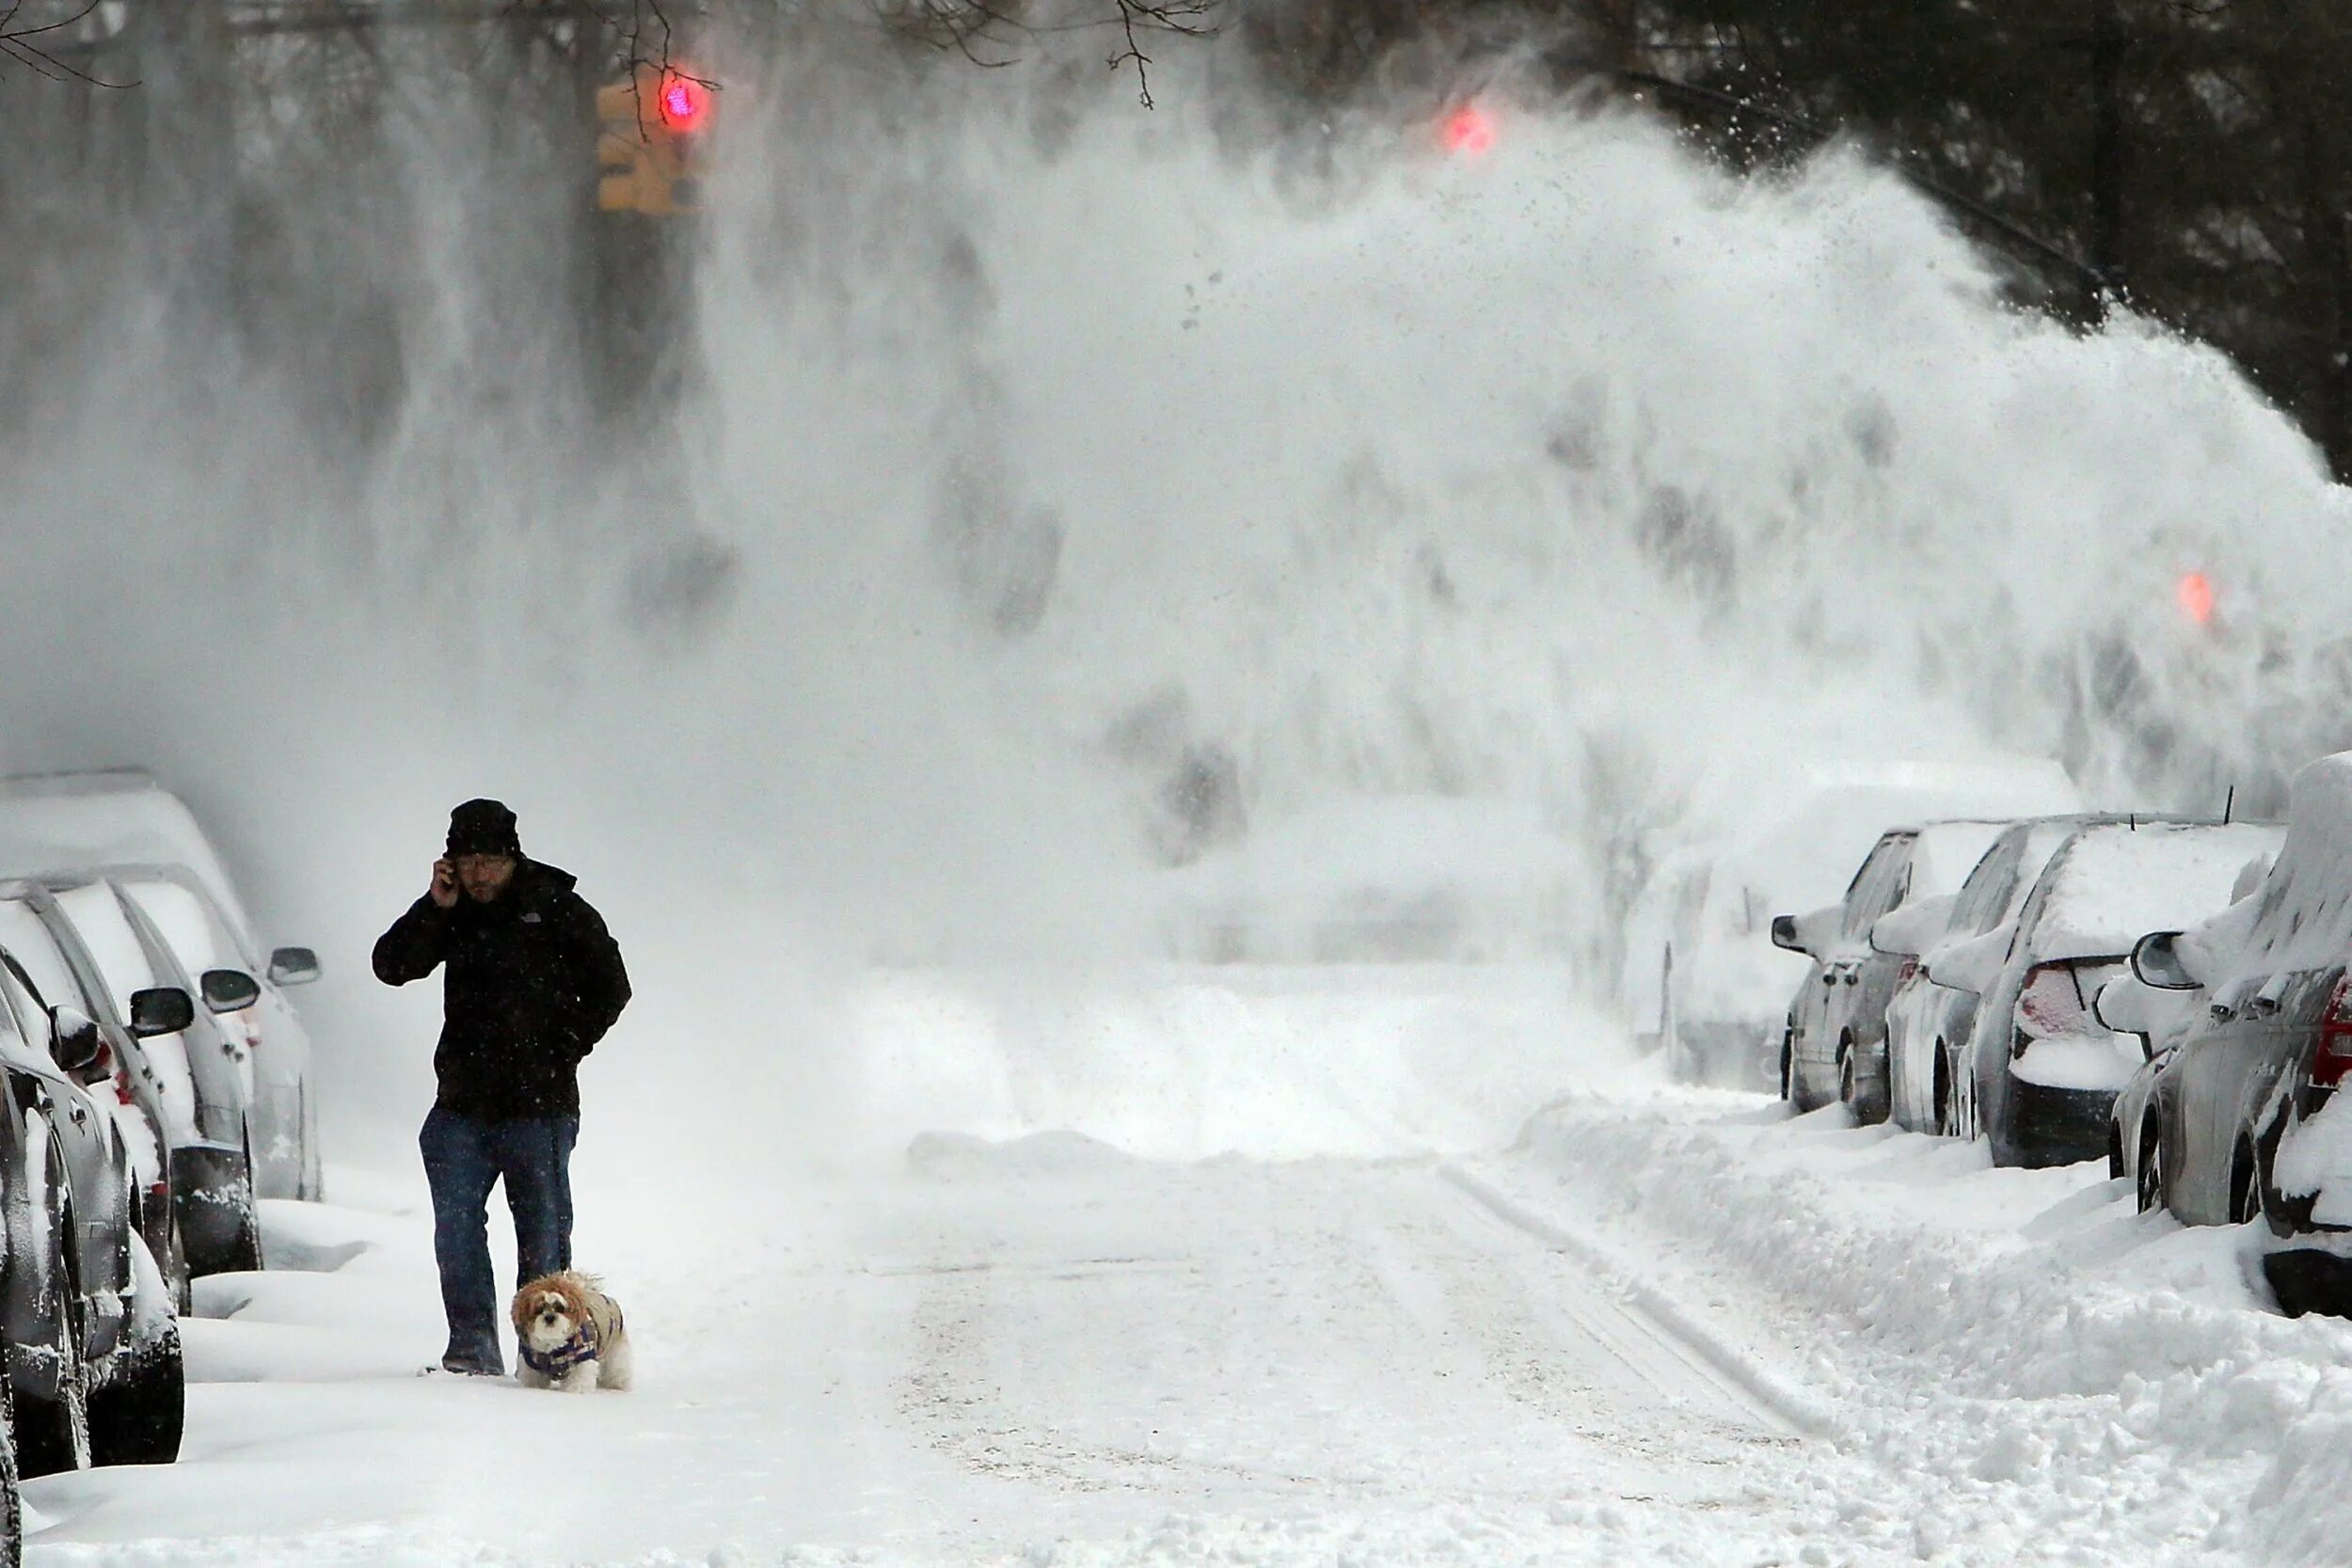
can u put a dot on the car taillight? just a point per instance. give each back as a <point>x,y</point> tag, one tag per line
<point>2053,1002</point>
<point>1908,973</point>
<point>2333,1059</point>
<point>123,1085</point>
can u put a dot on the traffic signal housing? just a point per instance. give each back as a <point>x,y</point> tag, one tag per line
<point>651,135</point>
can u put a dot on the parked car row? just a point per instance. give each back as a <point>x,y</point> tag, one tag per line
<point>2172,995</point>
<point>1700,977</point>
<point>153,1082</point>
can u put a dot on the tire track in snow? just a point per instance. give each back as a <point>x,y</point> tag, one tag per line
<point>1656,1317</point>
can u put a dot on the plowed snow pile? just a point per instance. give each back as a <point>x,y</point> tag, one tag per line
<point>2119,1386</point>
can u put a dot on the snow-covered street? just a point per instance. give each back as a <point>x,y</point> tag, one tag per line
<point>1666,1325</point>
<point>1016,1345</point>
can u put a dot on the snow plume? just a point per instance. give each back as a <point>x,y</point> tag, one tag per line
<point>1042,467</point>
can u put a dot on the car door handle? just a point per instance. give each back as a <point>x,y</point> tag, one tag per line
<point>80,1112</point>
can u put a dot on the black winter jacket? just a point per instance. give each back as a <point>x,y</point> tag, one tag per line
<point>535,980</point>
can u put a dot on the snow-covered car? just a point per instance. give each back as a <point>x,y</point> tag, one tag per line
<point>58,825</point>
<point>139,1079</point>
<point>1700,969</point>
<point>1700,977</point>
<point>178,1067</point>
<point>1380,879</point>
<point>183,925</point>
<point>2161,1019</point>
<point>2247,1120</point>
<point>1927,1024</point>
<point>1835,1043</point>
<point>92,1348</point>
<point>2041,1072</point>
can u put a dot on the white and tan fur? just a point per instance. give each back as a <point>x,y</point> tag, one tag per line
<point>548,1311</point>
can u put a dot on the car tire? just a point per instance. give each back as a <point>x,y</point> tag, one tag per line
<point>2149,1187</point>
<point>2115,1151</point>
<point>1788,1067</point>
<point>1867,1112</point>
<point>138,1419</point>
<point>182,1278</point>
<point>1945,1125</point>
<point>137,1415</point>
<point>12,1497</point>
<point>2245,1189</point>
<point>52,1434</point>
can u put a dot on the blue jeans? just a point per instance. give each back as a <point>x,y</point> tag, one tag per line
<point>464,1158</point>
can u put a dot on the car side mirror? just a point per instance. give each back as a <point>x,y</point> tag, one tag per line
<point>73,1038</point>
<point>2123,1005</point>
<point>1912,929</point>
<point>1784,933</point>
<point>1970,966</point>
<point>2156,961</point>
<point>229,990</point>
<point>160,1010</point>
<point>294,966</point>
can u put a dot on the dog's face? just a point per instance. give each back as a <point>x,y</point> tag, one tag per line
<point>545,1316</point>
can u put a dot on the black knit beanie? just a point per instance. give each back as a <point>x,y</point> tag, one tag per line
<point>482,828</point>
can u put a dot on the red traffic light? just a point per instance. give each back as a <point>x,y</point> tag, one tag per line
<point>2197,597</point>
<point>1468,131</point>
<point>683,102</point>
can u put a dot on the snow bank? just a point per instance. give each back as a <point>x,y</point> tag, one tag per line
<point>1980,1326</point>
<point>1181,1062</point>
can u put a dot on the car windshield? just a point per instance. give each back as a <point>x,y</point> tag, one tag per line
<point>33,945</point>
<point>189,927</point>
<point>114,946</point>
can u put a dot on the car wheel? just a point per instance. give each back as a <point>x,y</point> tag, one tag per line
<point>1789,1066</point>
<point>11,1499</point>
<point>176,1249</point>
<point>137,1415</point>
<point>2246,1193</point>
<point>1944,1123</point>
<point>245,1257</point>
<point>1848,1089</point>
<point>2150,1187</point>
<point>54,1435</point>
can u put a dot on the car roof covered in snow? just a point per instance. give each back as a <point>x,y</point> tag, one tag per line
<point>1802,858</point>
<point>66,821</point>
<point>2300,915</point>
<point>2113,883</point>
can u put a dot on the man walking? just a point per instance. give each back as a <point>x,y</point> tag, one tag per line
<point>534,982</point>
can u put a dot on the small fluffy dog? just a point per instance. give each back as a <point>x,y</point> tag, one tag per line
<point>571,1334</point>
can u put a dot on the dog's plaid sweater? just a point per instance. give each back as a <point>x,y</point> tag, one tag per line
<point>580,1347</point>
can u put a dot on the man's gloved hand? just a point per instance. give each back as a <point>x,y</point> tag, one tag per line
<point>444,889</point>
